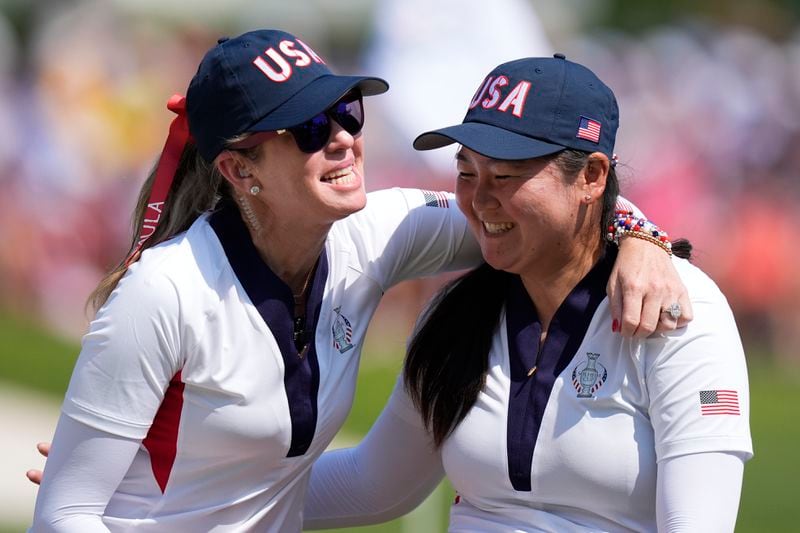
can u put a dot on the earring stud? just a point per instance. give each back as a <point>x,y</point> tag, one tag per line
<point>255,189</point>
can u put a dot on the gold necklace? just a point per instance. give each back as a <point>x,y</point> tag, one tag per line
<point>299,299</point>
<point>299,335</point>
<point>535,366</point>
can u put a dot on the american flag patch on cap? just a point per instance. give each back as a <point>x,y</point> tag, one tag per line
<point>589,129</point>
<point>719,402</point>
<point>435,199</point>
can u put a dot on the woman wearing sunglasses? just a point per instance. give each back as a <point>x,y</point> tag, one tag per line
<point>223,355</point>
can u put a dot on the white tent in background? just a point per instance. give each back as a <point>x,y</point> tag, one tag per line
<point>435,54</point>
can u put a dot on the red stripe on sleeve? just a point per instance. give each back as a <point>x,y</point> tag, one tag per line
<point>162,439</point>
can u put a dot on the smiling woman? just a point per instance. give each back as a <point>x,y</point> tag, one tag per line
<point>515,384</point>
<point>220,323</point>
<point>534,230</point>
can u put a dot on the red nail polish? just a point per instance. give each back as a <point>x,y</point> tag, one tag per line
<point>615,325</point>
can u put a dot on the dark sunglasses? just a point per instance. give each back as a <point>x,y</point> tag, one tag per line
<point>312,135</point>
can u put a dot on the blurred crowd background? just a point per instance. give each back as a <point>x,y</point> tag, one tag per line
<point>709,92</point>
<point>710,123</point>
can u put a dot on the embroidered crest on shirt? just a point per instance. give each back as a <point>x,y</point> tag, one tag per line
<point>588,376</point>
<point>342,332</point>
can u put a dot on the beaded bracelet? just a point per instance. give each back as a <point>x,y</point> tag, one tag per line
<point>625,224</point>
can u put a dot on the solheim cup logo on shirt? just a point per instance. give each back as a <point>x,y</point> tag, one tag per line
<point>588,376</point>
<point>342,332</point>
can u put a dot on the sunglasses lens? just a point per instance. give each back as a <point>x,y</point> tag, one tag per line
<point>312,135</point>
<point>348,112</point>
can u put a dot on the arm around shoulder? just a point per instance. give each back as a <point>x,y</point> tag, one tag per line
<point>410,233</point>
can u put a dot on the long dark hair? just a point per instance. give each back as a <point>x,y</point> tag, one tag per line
<point>448,356</point>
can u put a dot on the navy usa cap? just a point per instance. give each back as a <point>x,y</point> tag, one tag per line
<point>263,80</point>
<point>534,107</point>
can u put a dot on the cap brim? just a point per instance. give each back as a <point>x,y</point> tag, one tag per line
<point>487,140</point>
<point>315,98</point>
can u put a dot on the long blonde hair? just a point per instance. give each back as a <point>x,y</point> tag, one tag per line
<point>196,188</point>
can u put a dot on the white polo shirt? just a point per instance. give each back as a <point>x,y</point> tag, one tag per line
<point>574,447</point>
<point>193,353</point>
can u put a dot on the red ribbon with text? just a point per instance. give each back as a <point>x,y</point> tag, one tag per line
<point>165,172</point>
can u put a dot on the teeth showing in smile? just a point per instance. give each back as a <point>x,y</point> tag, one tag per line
<point>340,177</point>
<point>495,227</point>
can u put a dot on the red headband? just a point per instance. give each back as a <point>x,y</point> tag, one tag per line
<point>165,172</point>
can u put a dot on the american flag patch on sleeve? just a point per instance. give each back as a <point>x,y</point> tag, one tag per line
<point>589,129</point>
<point>719,402</point>
<point>435,199</point>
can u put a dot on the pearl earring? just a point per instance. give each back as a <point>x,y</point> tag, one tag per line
<point>587,198</point>
<point>255,189</point>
